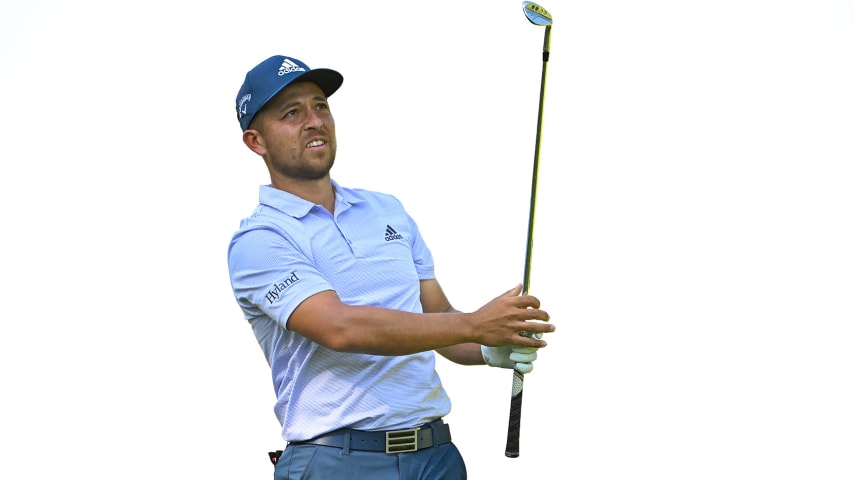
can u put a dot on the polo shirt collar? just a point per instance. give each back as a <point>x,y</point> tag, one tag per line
<point>297,207</point>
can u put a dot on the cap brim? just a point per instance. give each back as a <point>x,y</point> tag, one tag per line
<point>328,80</point>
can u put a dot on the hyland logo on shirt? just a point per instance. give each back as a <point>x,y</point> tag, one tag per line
<point>280,287</point>
<point>391,234</point>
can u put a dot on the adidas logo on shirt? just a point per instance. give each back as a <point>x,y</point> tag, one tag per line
<point>391,234</point>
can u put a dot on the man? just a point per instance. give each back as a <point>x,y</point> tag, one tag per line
<point>339,289</point>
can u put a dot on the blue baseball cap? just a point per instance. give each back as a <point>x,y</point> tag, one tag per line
<point>274,74</point>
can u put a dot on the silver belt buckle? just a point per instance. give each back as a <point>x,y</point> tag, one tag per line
<point>402,441</point>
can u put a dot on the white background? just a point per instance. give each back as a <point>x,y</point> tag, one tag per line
<point>693,238</point>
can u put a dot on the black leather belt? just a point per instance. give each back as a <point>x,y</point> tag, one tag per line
<point>428,435</point>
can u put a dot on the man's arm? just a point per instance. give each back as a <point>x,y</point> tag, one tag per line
<point>361,329</point>
<point>434,300</point>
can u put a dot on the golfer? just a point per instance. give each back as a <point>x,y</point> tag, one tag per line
<point>339,288</point>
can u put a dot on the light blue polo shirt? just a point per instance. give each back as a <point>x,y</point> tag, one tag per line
<point>371,253</point>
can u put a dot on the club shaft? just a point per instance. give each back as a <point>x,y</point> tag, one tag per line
<point>526,279</point>
<point>514,425</point>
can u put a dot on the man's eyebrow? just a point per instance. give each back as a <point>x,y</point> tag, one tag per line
<point>293,103</point>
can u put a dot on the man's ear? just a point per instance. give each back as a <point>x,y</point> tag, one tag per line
<point>255,141</point>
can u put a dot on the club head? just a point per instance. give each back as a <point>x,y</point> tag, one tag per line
<point>536,14</point>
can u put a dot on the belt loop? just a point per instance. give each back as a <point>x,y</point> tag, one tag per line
<point>431,431</point>
<point>346,448</point>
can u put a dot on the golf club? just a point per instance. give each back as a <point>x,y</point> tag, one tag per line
<point>538,16</point>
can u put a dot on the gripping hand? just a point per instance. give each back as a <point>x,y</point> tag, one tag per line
<point>519,358</point>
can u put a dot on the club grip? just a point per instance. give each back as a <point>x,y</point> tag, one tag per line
<point>514,423</point>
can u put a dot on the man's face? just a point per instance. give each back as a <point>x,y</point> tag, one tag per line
<point>298,133</point>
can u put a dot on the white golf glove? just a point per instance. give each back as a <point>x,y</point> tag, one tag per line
<point>520,358</point>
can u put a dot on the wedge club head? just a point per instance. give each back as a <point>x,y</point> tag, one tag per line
<point>536,14</point>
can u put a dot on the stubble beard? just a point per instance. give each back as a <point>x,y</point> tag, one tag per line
<point>306,170</point>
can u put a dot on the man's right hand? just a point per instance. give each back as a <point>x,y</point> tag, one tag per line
<point>512,320</point>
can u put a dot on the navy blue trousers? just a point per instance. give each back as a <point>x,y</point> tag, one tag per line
<point>315,462</point>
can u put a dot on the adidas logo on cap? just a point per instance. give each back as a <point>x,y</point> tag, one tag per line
<point>289,67</point>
